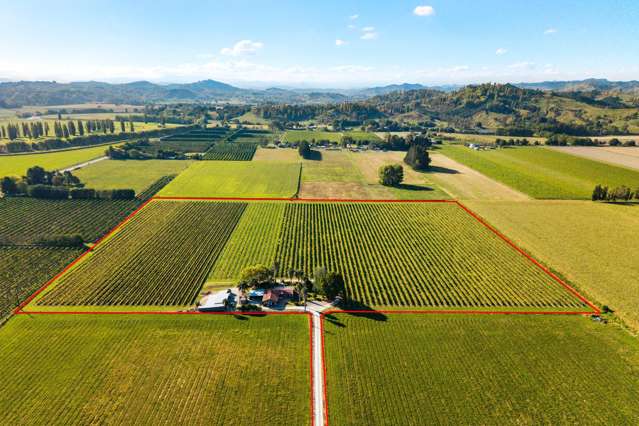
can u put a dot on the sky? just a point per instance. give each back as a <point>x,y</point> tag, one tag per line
<point>326,43</point>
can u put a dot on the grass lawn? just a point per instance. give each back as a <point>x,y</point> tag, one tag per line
<point>527,370</point>
<point>19,163</point>
<point>308,135</point>
<point>149,369</point>
<point>594,245</point>
<point>361,136</point>
<point>236,179</point>
<point>134,174</point>
<point>543,173</point>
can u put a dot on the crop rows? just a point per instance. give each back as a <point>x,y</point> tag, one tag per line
<point>400,369</point>
<point>27,220</point>
<point>414,254</point>
<point>161,257</point>
<point>150,369</point>
<point>155,187</point>
<point>253,242</point>
<point>231,152</point>
<point>25,269</point>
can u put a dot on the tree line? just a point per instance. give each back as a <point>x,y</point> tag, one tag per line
<point>39,129</point>
<point>620,193</point>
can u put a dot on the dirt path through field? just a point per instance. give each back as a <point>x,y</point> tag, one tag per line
<point>465,183</point>
<point>618,156</point>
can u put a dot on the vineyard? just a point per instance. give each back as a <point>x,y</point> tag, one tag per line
<point>27,220</point>
<point>155,369</point>
<point>161,257</point>
<point>155,187</point>
<point>231,152</point>
<point>23,270</point>
<point>192,141</point>
<point>415,255</point>
<point>253,242</point>
<point>484,369</point>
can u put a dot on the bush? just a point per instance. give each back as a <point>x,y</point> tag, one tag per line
<point>82,193</point>
<point>417,157</point>
<point>48,192</point>
<point>391,175</point>
<point>115,194</point>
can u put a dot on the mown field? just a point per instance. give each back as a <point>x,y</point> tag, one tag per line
<point>620,156</point>
<point>293,136</point>
<point>593,244</point>
<point>27,220</point>
<point>231,152</point>
<point>235,179</point>
<point>402,369</point>
<point>414,255</point>
<point>25,269</point>
<point>149,369</point>
<point>253,241</point>
<point>543,173</point>
<point>161,257</point>
<point>18,164</point>
<point>135,174</point>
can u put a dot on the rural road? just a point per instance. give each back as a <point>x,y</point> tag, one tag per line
<point>318,369</point>
<point>86,163</point>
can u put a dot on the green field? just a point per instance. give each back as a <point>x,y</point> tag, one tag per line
<point>231,152</point>
<point>161,257</point>
<point>543,173</point>
<point>527,370</point>
<point>26,220</point>
<point>293,136</point>
<point>593,244</point>
<point>23,270</point>
<point>18,164</point>
<point>361,136</point>
<point>235,179</point>
<point>135,174</point>
<point>154,369</point>
<point>253,241</point>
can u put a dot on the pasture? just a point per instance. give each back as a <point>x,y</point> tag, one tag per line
<point>235,179</point>
<point>155,369</point>
<point>17,164</point>
<point>593,244</point>
<point>294,136</point>
<point>543,173</point>
<point>407,255</point>
<point>23,270</point>
<point>162,256</point>
<point>400,369</point>
<point>135,174</point>
<point>27,220</point>
<point>619,156</point>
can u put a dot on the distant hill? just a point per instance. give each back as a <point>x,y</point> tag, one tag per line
<point>588,85</point>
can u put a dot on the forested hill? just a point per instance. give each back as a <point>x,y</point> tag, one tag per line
<point>504,107</point>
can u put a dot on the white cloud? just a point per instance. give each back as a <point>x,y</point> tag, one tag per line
<point>352,27</point>
<point>501,51</point>
<point>550,31</point>
<point>368,29</point>
<point>522,66</point>
<point>424,11</point>
<point>460,68</point>
<point>369,36</point>
<point>340,42</point>
<point>353,17</point>
<point>242,47</point>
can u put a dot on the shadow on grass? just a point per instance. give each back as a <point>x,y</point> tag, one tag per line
<point>622,203</point>
<point>314,156</point>
<point>409,187</point>
<point>367,311</point>
<point>445,170</point>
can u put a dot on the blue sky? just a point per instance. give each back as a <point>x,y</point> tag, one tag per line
<point>326,43</point>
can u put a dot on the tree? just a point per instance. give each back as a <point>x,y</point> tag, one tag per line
<point>417,157</point>
<point>391,175</point>
<point>257,276</point>
<point>329,284</point>
<point>36,175</point>
<point>600,193</point>
<point>304,149</point>
<point>131,126</point>
<point>9,185</point>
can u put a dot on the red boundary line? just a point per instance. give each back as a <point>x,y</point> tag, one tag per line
<point>308,200</point>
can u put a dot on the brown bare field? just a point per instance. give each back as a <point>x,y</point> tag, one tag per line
<point>465,183</point>
<point>619,156</point>
<point>277,154</point>
<point>485,139</point>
